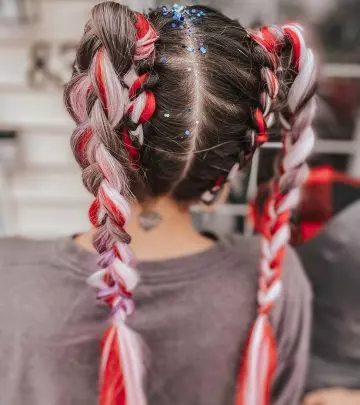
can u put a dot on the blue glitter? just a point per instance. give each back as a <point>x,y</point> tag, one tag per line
<point>193,11</point>
<point>189,30</point>
<point>163,59</point>
<point>190,49</point>
<point>187,132</point>
<point>177,9</point>
<point>173,25</point>
<point>202,49</point>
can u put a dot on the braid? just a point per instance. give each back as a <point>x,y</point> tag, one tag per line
<point>298,139</point>
<point>107,100</point>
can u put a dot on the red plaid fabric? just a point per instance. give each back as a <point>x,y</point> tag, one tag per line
<point>325,193</point>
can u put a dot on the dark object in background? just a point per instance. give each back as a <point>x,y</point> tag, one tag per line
<point>340,33</point>
<point>326,193</point>
<point>338,108</point>
<point>336,24</point>
<point>40,74</point>
<point>8,148</point>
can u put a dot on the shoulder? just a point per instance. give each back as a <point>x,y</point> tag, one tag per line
<point>248,251</point>
<point>242,258</point>
<point>18,250</point>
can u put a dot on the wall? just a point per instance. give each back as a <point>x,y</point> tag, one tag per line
<point>42,195</point>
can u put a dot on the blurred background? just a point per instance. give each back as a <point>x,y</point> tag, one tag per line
<point>40,186</point>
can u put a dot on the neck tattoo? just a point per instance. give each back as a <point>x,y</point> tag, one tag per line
<point>149,220</point>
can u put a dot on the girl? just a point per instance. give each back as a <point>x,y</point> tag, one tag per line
<point>168,107</point>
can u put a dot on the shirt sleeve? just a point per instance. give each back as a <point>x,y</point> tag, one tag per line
<point>292,322</point>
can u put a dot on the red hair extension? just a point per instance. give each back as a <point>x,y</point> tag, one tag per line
<point>112,207</point>
<point>99,77</point>
<point>146,36</point>
<point>117,252</point>
<point>262,41</point>
<point>270,39</point>
<point>81,146</point>
<point>138,84</point>
<point>219,181</point>
<point>132,151</point>
<point>266,348</point>
<point>149,109</point>
<point>296,45</point>
<point>267,45</point>
<point>112,388</point>
<point>142,26</point>
<point>262,136</point>
<point>94,213</point>
<point>271,351</point>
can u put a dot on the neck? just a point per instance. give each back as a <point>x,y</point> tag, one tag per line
<point>173,237</point>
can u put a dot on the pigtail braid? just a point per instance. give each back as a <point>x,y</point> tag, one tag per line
<point>107,100</point>
<point>259,364</point>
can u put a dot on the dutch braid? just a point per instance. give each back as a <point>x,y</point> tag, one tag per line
<point>298,140</point>
<point>104,98</point>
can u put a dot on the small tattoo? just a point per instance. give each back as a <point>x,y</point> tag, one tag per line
<point>149,220</point>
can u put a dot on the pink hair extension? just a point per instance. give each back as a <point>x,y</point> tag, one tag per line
<point>78,98</point>
<point>298,137</point>
<point>122,369</point>
<point>146,36</point>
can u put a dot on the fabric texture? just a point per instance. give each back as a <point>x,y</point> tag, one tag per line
<point>194,314</point>
<point>326,193</point>
<point>332,262</point>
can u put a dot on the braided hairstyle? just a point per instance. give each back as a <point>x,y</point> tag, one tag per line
<point>174,103</point>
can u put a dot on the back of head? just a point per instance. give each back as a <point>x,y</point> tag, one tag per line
<point>172,104</point>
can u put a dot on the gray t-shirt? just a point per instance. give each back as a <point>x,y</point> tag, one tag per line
<point>332,262</point>
<point>194,314</point>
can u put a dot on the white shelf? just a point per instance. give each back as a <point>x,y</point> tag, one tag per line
<point>342,70</point>
<point>324,146</point>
